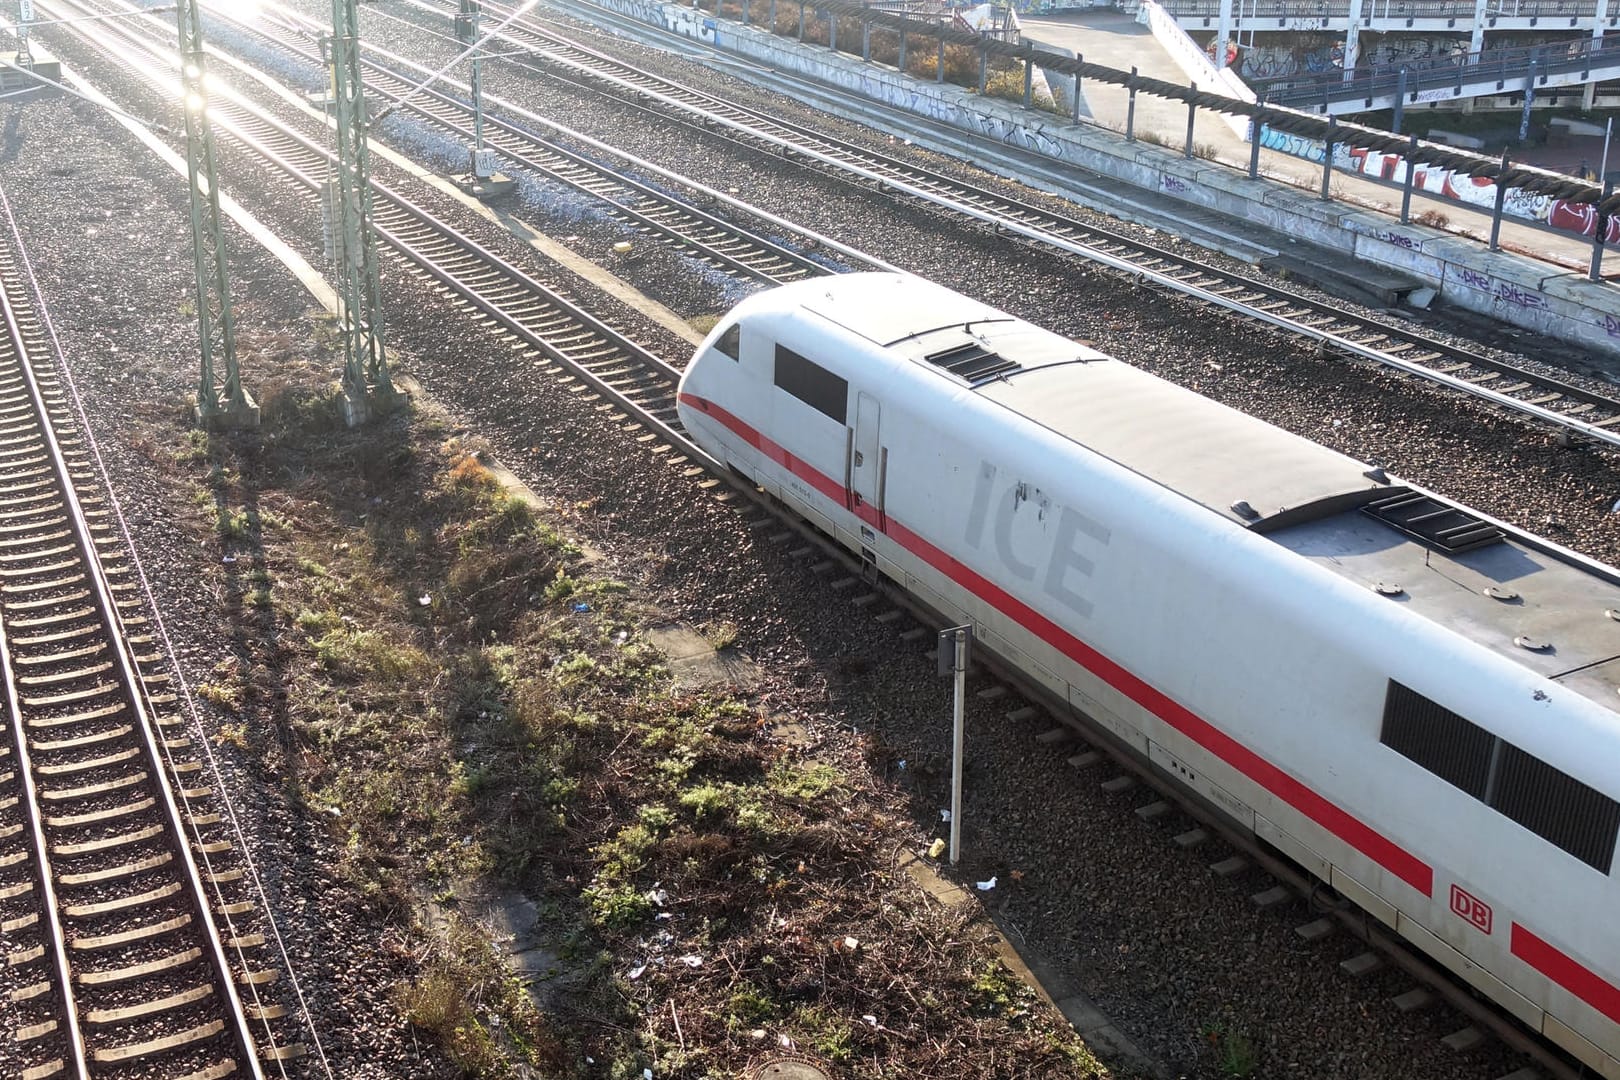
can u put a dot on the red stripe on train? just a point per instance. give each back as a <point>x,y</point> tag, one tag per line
<point>1334,819</point>
<point>1567,972</point>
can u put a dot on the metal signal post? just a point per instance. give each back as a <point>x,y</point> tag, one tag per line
<point>954,645</point>
<point>481,179</point>
<point>221,400</point>
<point>367,387</point>
<point>25,15</point>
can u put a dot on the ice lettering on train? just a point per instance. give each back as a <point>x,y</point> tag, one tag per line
<point>1067,560</point>
<point>1065,563</point>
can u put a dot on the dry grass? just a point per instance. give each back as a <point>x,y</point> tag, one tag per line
<point>421,679</point>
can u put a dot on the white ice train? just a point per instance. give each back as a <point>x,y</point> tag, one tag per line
<point>1415,703</point>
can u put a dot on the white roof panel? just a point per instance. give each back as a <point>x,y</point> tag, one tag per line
<point>1202,449</point>
<point>889,308</point>
<point>1213,455</point>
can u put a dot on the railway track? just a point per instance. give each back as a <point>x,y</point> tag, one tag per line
<point>638,391</point>
<point>126,945</point>
<point>579,345</point>
<point>691,230</point>
<point>1573,409</point>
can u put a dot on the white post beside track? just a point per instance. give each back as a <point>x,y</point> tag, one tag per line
<point>956,639</point>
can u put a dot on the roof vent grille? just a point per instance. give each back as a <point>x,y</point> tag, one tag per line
<point>1449,528</point>
<point>973,362</point>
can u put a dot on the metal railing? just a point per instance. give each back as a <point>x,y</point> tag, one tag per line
<point>1506,68</point>
<point>1246,12</point>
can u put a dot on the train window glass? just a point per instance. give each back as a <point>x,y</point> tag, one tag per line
<point>1556,806</point>
<point>730,342</point>
<point>1456,750</point>
<point>812,384</point>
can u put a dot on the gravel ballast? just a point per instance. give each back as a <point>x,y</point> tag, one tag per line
<point>1167,953</point>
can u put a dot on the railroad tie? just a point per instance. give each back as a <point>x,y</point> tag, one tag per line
<point>1153,810</point>
<point>1363,963</point>
<point>1413,1000</point>
<point>1272,897</point>
<point>1464,1039</point>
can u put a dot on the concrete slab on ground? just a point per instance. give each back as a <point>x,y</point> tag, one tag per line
<point>698,665</point>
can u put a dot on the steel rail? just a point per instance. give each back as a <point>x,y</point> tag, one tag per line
<point>485,281</point>
<point>1429,973</point>
<point>1237,293</point>
<point>688,228</point>
<point>45,880</point>
<point>525,137</point>
<point>133,695</point>
<point>114,533</point>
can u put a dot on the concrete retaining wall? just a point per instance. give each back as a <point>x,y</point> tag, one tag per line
<point>1514,289</point>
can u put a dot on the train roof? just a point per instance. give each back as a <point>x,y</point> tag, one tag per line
<point>1244,469</point>
<point>1512,594</point>
<point>1526,599</point>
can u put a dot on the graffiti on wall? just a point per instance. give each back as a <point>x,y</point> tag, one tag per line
<point>688,23</point>
<point>1314,54</point>
<point>1573,217</point>
<point>1415,50</point>
<point>1294,145</point>
<point>1307,54</point>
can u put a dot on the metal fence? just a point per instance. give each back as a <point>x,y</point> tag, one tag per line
<point>1507,68</point>
<point>1246,12</point>
<point>1601,203</point>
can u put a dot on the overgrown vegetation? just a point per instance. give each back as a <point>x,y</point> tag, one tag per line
<point>460,699</point>
<point>1004,77</point>
<point>1234,1053</point>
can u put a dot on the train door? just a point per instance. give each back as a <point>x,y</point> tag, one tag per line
<point>866,462</point>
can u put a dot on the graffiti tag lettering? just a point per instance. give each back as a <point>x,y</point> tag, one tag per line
<point>1513,294</point>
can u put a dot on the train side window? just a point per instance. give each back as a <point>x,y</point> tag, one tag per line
<point>730,342</point>
<point>812,384</point>
<point>1456,750</point>
<point>1547,801</point>
<point>1557,807</point>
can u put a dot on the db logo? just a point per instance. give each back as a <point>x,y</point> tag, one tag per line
<point>1471,907</point>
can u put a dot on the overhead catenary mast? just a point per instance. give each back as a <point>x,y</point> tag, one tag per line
<point>221,399</point>
<point>367,387</point>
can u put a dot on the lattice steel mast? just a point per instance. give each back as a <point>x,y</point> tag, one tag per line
<point>220,401</point>
<point>366,383</point>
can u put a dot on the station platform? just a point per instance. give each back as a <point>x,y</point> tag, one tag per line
<point>1116,40</point>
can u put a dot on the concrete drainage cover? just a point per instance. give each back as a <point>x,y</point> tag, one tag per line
<point>787,1069</point>
<point>696,665</point>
